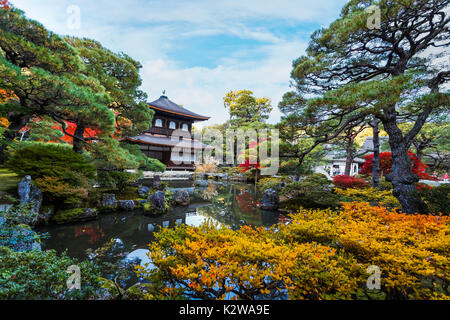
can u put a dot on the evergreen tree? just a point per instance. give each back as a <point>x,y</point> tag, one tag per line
<point>356,69</point>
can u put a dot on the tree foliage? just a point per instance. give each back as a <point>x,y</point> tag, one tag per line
<point>353,72</point>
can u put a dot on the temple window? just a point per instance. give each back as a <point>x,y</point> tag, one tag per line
<point>158,123</point>
<point>185,127</point>
<point>172,125</point>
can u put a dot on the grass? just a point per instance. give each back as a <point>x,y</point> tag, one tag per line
<point>8,180</point>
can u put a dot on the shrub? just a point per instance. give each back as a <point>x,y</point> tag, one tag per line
<point>410,250</point>
<point>385,185</point>
<point>63,175</point>
<point>270,183</point>
<point>211,262</point>
<point>321,254</point>
<point>144,162</point>
<point>313,191</point>
<point>43,275</point>
<point>343,181</point>
<point>113,179</point>
<point>16,235</point>
<point>438,199</point>
<point>50,160</point>
<point>371,195</point>
<point>56,190</point>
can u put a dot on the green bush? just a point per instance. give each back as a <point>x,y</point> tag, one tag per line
<point>145,163</point>
<point>313,191</point>
<point>385,185</point>
<point>52,160</point>
<point>270,183</point>
<point>438,199</point>
<point>43,275</point>
<point>67,215</point>
<point>113,179</point>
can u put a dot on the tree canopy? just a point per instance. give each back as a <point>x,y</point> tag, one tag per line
<point>352,72</point>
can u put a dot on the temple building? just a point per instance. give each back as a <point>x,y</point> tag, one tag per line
<point>171,128</point>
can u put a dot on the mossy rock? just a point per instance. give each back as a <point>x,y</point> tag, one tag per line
<point>149,210</point>
<point>75,215</point>
<point>138,291</point>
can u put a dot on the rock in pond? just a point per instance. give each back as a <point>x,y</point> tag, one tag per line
<point>109,200</point>
<point>126,205</point>
<point>143,191</point>
<point>181,197</point>
<point>270,200</point>
<point>158,201</point>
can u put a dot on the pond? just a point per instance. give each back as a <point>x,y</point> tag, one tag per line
<point>233,205</point>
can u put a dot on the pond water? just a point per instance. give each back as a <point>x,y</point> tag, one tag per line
<point>231,204</point>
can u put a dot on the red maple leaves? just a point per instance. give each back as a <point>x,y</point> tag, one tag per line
<point>417,166</point>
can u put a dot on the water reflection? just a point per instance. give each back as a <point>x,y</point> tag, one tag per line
<point>230,204</point>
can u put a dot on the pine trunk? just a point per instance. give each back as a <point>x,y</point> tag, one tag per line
<point>78,138</point>
<point>376,155</point>
<point>402,178</point>
<point>348,160</point>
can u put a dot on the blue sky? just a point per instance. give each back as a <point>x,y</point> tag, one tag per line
<point>198,50</point>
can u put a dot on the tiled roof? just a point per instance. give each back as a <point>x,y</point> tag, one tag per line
<point>164,104</point>
<point>168,142</point>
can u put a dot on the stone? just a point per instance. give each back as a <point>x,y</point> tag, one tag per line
<point>126,205</point>
<point>270,200</point>
<point>201,183</point>
<point>181,197</point>
<point>36,197</point>
<point>29,193</point>
<point>140,203</point>
<point>75,215</point>
<point>156,182</point>
<point>109,200</point>
<point>144,191</point>
<point>158,200</point>
<point>23,189</point>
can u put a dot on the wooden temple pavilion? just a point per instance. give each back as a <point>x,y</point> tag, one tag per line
<point>171,127</point>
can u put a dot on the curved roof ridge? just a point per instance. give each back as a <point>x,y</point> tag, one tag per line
<point>165,104</point>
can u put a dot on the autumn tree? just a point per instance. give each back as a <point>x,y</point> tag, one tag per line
<point>353,70</point>
<point>244,108</point>
<point>119,75</point>
<point>46,77</point>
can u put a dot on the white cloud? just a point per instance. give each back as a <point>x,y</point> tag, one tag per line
<point>202,89</point>
<point>150,31</point>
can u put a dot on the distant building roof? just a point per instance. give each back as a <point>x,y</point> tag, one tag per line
<point>167,142</point>
<point>368,144</point>
<point>164,104</point>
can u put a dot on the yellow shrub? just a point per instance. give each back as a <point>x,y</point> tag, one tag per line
<point>372,195</point>
<point>213,262</point>
<point>321,254</point>
<point>412,251</point>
